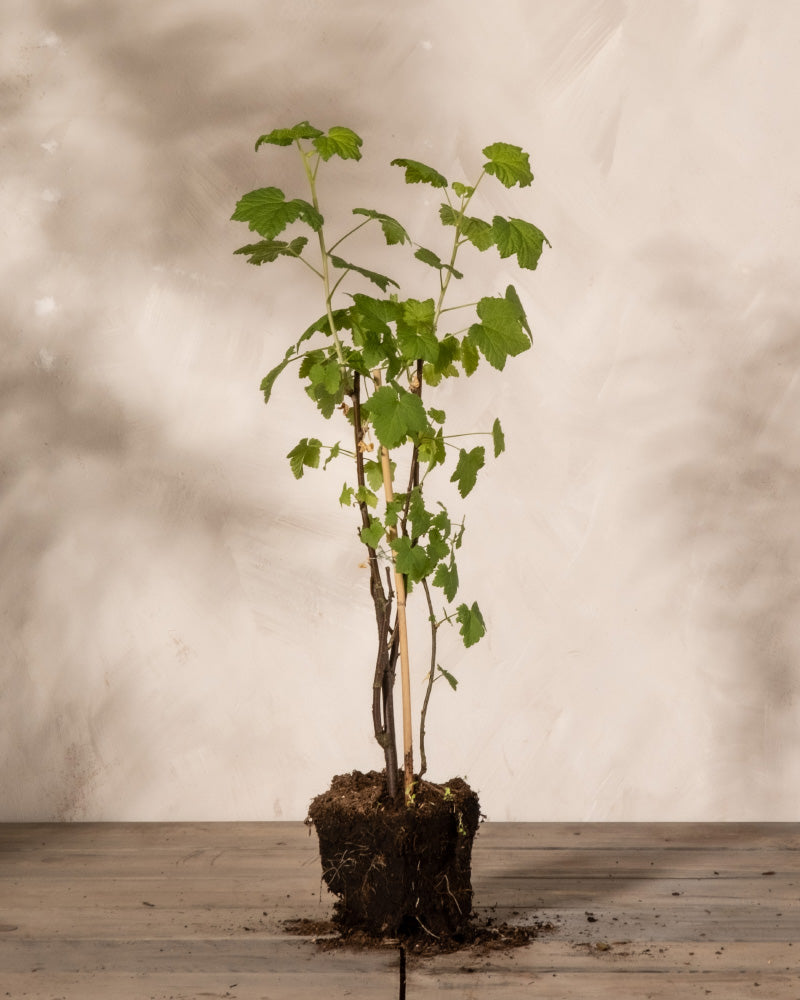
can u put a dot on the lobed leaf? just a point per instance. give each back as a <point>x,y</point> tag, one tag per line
<point>420,518</point>
<point>286,136</point>
<point>304,455</point>
<point>338,141</point>
<point>333,453</point>
<point>416,337</point>
<point>392,230</point>
<point>446,577</point>
<point>411,560</point>
<point>268,213</point>
<point>473,627</point>
<point>432,260</point>
<point>467,468</point>
<point>324,374</point>
<point>437,547</point>
<point>396,414</point>
<point>346,496</point>
<point>364,495</point>
<point>372,535</point>
<point>509,164</point>
<point>479,233</point>
<point>519,238</point>
<point>420,173</point>
<point>381,280</point>
<point>432,448</point>
<point>269,379</point>
<point>499,334</point>
<point>269,250</point>
<point>374,473</point>
<point>514,299</point>
<point>341,320</point>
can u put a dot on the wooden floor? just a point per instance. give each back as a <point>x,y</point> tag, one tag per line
<point>188,911</point>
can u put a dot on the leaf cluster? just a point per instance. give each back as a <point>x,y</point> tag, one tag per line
<point>397,349</point>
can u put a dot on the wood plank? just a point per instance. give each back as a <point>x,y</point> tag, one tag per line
<point>188,910</point>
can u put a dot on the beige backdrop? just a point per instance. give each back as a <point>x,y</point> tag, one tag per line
<point>186,630</point>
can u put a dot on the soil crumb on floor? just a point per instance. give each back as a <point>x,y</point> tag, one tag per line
<point>481,937</point>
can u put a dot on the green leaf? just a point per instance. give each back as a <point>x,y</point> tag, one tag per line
<point>392,230</point>
<point>446,577</point>
<point>448,677</point>
<point>339,141</point>
<point>498,438</point>
<point>310,358</point>
<point>499,334</point>
<point>396,414</point>
<point>286,136</point>
<point>430,258</point>
<point>375,314</point>
<point>479,233</point>
<point>469,356</point>
<point>419,314</point>
<point>377,279</point>
<point>469,463</point>
<point>304,455</point>
<point>393,510</point>
<point>268,213</point>
<point>363,495</point>
<point>437,548</point>
<point>269,379</point>
<point>417,173</point>
<point>432,449</point>
<point>514,299</point>
<point>443,366</point>
<point>341,320</point>
<point>509,164</point>
<point>269,250</point>
<point>346,496</point>
<point>520,238</point>
<point>372,535</point>
<point>419,517</point>
<point>325,375</point>
<point>415,332</point>
<point>411,560</point>
<point>333,453</point>
<point>462,190</point>
<point>374,473</point>
<point>438,415</point>
<point>442,521</point>
<point>473,627</point>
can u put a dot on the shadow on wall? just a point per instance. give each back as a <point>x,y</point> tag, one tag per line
<point>726,433</point>
<point>112,530</point>
<point>96,505</point>
<point>192,85</point>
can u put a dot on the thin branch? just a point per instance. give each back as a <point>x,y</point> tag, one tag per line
<point>423,760</point>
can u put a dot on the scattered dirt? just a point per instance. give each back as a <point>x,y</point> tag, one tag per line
<point>397,872</point>
<point>481,937</point>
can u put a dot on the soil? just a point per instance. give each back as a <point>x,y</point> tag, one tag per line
<point>398,873</point>
<point>481,937</point>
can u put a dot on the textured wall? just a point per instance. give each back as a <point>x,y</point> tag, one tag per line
<point>186,631</point>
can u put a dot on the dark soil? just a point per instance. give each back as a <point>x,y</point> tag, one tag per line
<point>481,937</point>
<point>397,872</point>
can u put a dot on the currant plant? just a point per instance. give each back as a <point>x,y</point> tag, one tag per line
<point>371,360</point>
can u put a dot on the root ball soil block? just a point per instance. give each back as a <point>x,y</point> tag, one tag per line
<point>397,871</point>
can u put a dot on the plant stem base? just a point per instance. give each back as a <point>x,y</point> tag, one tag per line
<point>398,872</point>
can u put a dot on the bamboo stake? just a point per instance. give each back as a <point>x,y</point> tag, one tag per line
<point>405,673</point>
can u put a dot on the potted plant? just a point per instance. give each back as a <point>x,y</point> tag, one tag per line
<point>396,848</point>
